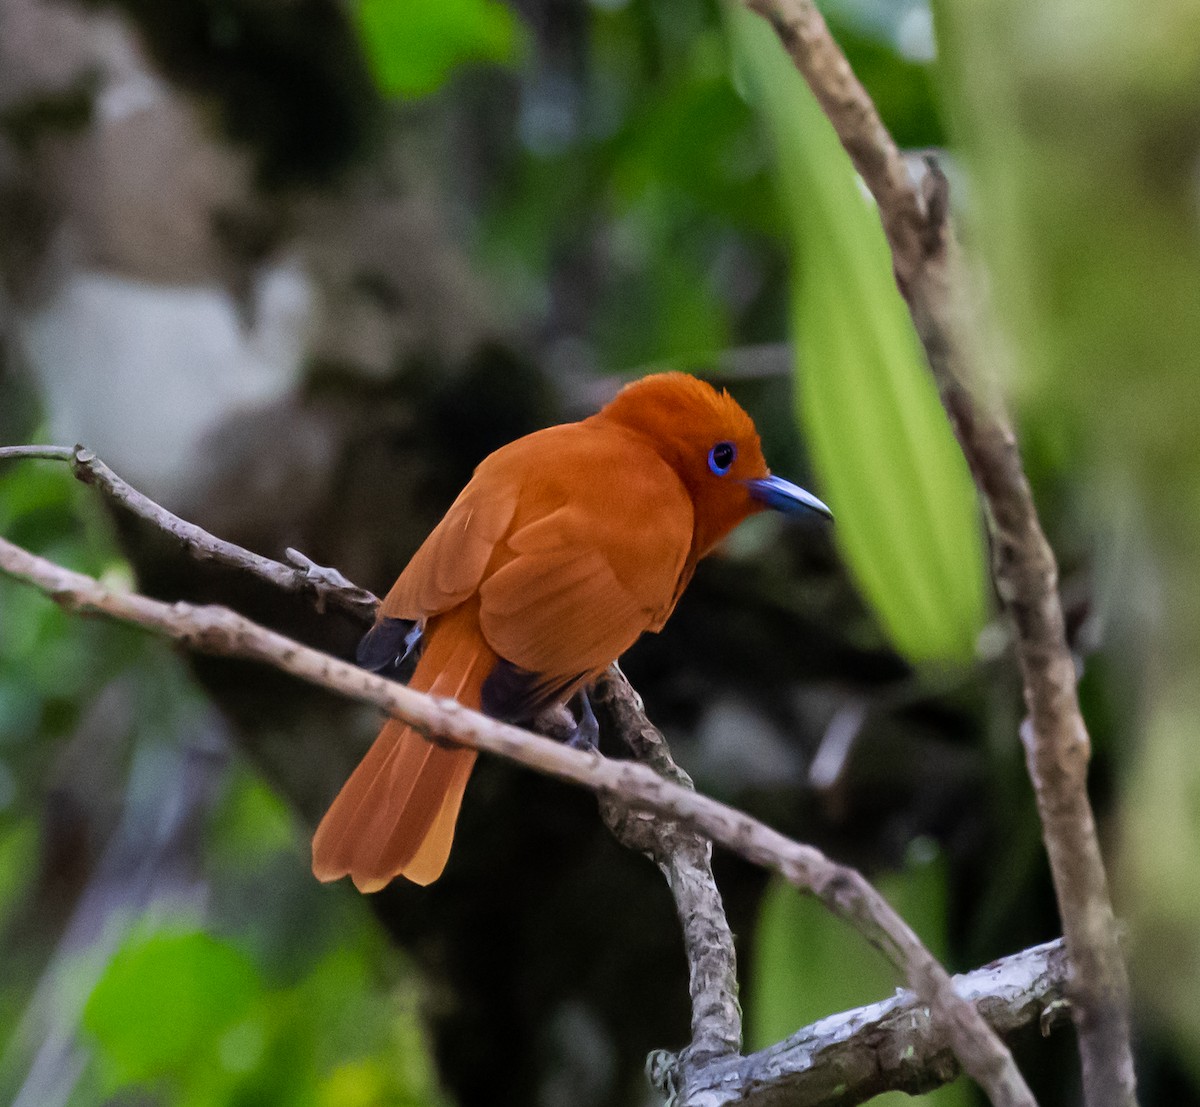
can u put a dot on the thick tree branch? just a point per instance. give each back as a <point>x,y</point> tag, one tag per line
<point>933,282</point>
<point>217,630</point>
<point>327,585</point>
<point>889,1046</point>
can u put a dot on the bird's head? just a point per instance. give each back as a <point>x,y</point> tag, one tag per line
<point>706,437</point>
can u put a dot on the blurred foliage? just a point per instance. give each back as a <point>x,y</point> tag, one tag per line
<point>164,1002</point>
<point>190,1014</point>
<point>49,662</point>
<point>200,1009</point>
<point>414,45</point>
<point>640,188</point>
<point>906,509</point>
<point>809,964</point>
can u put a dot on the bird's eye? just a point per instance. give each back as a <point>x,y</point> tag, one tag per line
<point>721,456</point>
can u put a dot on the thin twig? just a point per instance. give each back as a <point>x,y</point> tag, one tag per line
<point>327,586</point>
<point>844,891</point>
<point>933,282</point>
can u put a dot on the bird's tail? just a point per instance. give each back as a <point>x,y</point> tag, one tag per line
<point>395,816</point>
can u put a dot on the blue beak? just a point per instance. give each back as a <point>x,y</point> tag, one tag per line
<point>781,495</point>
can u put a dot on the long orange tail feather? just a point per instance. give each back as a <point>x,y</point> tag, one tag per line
<point>396,814</point>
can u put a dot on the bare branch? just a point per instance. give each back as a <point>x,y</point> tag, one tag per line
<point>326,585</point>
<point>217,630</point>
<point>847,1058</point>
<point>933,281</point>
<point>685,859</point>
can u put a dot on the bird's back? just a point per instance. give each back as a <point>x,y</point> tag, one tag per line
<point>575,538</point>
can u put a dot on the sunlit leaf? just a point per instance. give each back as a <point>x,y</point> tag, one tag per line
<point>413,45</point>
<point>165,1000</point>
<point>907,519</point>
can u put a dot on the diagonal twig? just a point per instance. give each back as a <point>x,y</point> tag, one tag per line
<point>844,891</point>
<point>933,282</point>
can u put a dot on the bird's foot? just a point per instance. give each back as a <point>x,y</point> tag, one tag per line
<point>586,735</point>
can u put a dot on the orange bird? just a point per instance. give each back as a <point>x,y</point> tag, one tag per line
<point>564,547</point>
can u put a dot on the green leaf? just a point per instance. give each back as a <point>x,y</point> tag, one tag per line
<point>165,1001</point>
<point>251,825</point>
<point>413,45</point>
<point>809,964</point>
<point>907,518</point>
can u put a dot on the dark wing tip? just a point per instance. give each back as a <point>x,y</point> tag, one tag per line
<point>388,646</point>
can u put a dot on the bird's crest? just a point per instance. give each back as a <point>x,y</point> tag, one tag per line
<point>667,405</point>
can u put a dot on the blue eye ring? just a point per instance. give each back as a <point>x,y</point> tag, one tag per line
<point>721,458</point>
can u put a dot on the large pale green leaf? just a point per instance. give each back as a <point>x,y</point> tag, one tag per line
<point>413,45</point>
<point>809,964</point>
<point>888,465</point>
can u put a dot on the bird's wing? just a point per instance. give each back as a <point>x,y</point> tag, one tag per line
<point>451,562</point>
<point>586,576</point>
